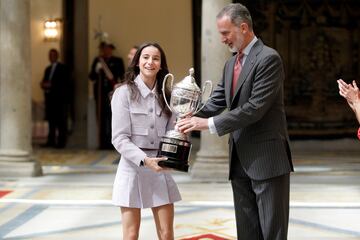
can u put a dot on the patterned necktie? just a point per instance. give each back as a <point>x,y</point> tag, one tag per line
<point>237,71</point>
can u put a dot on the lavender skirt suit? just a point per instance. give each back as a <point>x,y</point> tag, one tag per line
<point>137,126</point>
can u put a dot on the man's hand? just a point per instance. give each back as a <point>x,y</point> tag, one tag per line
<point>45,85</point>
<point>189,124</point>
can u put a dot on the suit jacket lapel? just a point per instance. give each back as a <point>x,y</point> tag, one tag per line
<point>248,65</point>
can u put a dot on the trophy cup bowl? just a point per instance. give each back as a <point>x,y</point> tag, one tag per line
<point>185,98</point>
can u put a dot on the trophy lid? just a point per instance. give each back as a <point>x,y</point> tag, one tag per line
<point>188,82</point>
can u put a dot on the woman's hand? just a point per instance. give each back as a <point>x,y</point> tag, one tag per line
<point>349,91</point>
<point>152,163</point>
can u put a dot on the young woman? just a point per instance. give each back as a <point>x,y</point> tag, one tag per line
<point>139,119</point>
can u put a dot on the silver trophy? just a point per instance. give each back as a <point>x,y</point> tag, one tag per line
<point>186,97</point>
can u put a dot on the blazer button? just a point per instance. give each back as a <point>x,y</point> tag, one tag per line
<point>152,142</point>
<point>152,126</point>
<point>151,110</point>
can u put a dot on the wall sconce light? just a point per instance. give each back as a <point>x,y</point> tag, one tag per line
<point>52,30</point>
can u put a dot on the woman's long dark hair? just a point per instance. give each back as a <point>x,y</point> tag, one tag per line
<point>134,70</point>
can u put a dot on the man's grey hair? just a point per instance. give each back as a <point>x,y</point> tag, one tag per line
<point>238,14</point>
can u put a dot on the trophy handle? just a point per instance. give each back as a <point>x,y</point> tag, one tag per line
<point>208,84</point>
<point>164,87</point>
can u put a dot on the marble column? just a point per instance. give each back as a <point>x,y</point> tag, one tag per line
<point>15,91</point>
<point>211,162</point>
<point>79,11</point>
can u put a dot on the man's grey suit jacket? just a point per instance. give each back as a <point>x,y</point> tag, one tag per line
<point>256,118</point>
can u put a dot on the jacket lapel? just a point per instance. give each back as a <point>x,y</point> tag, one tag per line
<point>248,65</point>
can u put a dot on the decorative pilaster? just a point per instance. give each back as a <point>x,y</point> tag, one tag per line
<point>15,91</point>
<point>212,159</point>
<point>79,11</point>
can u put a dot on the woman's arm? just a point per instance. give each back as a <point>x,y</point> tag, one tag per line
<point>121,127</point>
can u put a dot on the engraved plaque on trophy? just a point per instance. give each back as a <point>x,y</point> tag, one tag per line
<point>186,97</point>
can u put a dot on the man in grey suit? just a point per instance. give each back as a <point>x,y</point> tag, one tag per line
<point>251,89</point>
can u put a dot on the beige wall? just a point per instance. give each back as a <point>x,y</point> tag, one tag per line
<point>168,22</point>
<point>40,11</point>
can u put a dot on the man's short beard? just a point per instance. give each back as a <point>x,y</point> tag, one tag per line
<point>233,49</point>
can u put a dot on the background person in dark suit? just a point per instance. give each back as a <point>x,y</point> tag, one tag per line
<point>56,86</point>
<point>106,71</point>
<point>259,147</point>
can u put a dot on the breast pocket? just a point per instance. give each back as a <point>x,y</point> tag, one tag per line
<point>139,116</point>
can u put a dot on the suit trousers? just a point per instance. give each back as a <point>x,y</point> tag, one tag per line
<point>261,206</point>
<point>56,114</point>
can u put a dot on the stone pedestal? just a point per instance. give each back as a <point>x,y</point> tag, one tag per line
<point>18,164</point>
<point>15,91</point>
<point>211,163</point>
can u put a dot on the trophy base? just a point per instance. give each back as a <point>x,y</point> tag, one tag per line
<point>177,153</point>
<point>174,164</point>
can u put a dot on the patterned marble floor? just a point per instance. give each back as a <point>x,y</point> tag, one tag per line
<point>71,200</point>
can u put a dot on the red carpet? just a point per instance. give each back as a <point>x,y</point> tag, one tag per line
<point>209,236</point>
<point>4,192</point>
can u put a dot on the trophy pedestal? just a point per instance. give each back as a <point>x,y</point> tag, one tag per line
<point>177,151</point>
<point>174,164</point>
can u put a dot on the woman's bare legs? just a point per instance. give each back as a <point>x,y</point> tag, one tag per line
<point>164,220</point>
<point>131,222</point>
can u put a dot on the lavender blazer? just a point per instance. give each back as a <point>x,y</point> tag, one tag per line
<point>137,124</point>
<point>137,127</point>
